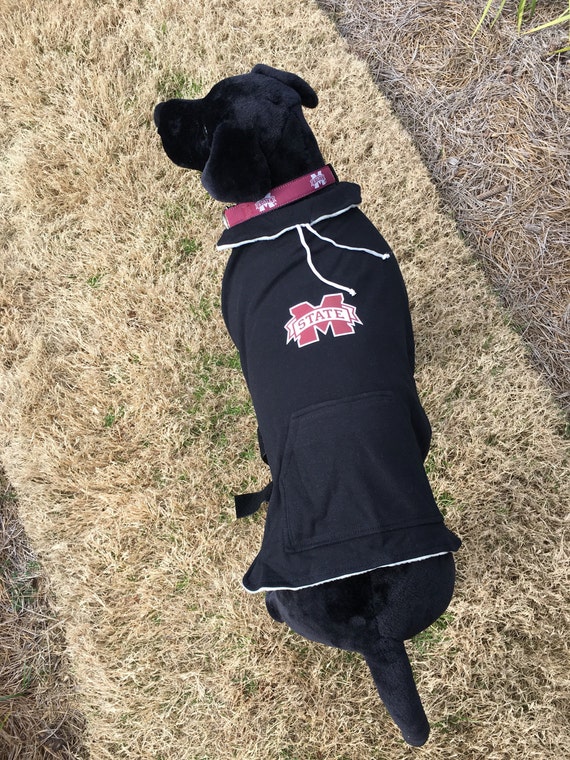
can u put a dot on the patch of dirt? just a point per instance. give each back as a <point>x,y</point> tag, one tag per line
<point>491,118</point>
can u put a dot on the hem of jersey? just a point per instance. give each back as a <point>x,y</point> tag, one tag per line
<point>261,239</point>
<point>342,577</point>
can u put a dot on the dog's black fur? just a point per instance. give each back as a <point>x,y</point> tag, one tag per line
<point>247,136</point>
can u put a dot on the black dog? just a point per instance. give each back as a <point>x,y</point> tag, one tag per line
<point>355,553</point>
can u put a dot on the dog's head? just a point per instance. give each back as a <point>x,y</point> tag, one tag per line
<point>246,136</point>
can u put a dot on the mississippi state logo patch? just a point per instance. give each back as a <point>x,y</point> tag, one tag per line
<point>332,313</point>
<point>318,179</point>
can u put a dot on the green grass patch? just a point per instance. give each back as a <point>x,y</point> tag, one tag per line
<point>524,11</point>
<point>203,310</point>
<point>178,84</point>
<point>23,586</point>
<point>179,248</point>
<point>95,280</point>
<point>435,464</point>
<point>113,416</point>
<point>188,247</point>
<point>425,640</point>
<point>218,398</point>
<point>446,502</point>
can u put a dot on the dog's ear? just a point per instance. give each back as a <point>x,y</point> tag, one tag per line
<point>308,96</point>
<point>236,170</point>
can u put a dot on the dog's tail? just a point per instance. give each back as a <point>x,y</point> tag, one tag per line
<point>392,674</point>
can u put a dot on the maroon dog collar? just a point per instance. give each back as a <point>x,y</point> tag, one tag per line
<point>281,196</point>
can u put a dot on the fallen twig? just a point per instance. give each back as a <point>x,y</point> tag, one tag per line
<point>493,191</point>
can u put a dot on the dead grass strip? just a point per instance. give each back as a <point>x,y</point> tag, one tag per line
<point>490,118</point>
<point>39,715</point>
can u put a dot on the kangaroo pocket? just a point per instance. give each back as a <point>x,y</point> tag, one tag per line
<point>353,468</point>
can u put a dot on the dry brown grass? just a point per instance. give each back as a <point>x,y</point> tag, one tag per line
<point>125,424</point>
<point>491,118</point>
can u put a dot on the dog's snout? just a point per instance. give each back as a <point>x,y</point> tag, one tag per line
<point>156,114</point>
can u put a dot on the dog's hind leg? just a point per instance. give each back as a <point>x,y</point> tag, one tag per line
<point>272,607</point>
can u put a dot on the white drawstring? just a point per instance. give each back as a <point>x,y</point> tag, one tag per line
<point>348,247</point>
<point>314,270</point>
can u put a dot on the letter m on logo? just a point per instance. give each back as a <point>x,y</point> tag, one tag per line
<point>332,313</point>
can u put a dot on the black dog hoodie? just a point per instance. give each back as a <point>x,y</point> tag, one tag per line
<point>315,303</point>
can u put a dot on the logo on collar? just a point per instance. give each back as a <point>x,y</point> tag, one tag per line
<point>266,203</point>
<point>318,179</point>
<point>307,320</point>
